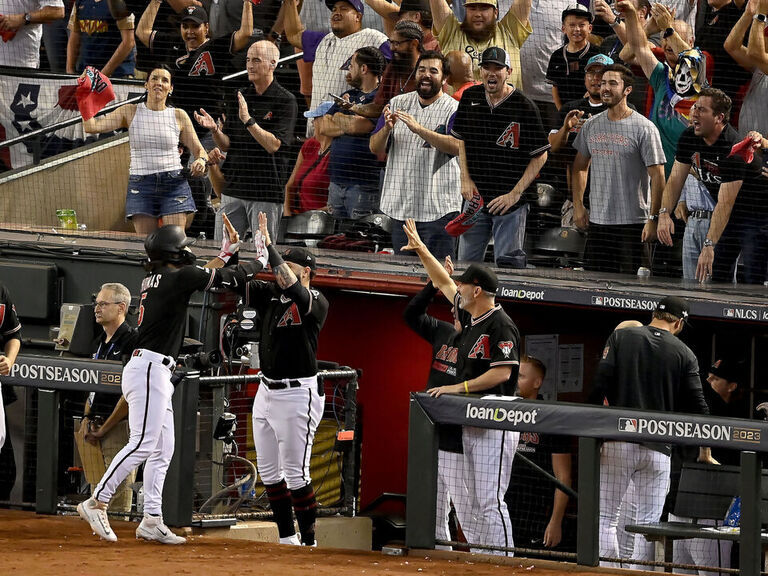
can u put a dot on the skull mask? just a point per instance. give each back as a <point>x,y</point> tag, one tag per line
<point>683,78</point>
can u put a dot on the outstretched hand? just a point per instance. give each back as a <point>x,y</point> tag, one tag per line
<point>415,243</point>
<point>264,228</point>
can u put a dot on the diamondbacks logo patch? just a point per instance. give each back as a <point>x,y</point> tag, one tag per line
<point>291,317</point>
<point>268,116</point>
<point>481,348</point>
<point>510,138</point>
<point>203,65</point>
<point>506,348</point>
<point>2,314</point>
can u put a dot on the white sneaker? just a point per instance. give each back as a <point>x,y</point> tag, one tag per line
<point>292,540</point>
<point>95,513</point>
<point>152,528</point>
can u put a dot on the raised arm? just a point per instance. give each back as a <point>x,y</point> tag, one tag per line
<point>120,118</point>
<point>243,34</point>
<point>267,140</point>
<point>385,9</point>
<point>560,138</point>
<point>73,42</point>
<point>522,10</point>
<point>636,39</point>
<point>293,25</point>
<point>441,11</point>
<point>147,22</point>
<point>756,44</point>
<point>436,271</point>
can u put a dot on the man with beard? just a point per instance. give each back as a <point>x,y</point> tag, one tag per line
<point>503,147</point>
<point>676,84</point>
<point>738,220</point>
<point>482,29</point>
<point>353,191</point>
<point>422,177</point>
<point>399,74</point>
<point>330,53</point>
<point>621,151</point>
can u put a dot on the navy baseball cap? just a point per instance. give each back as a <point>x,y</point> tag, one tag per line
<point>195,13</point>
<point>356,4</point>
<point>675,306</point>
<point>598,60</point>
<point>577,10</point>
<point>495,55</point>
<point>301,256</point>
<point>727,369</point>
<point>480,276</point>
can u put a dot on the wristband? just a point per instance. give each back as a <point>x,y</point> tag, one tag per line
<point>251,121</point>
<point>466,388</point>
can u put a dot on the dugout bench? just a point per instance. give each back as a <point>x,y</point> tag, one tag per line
<point>705,492</point>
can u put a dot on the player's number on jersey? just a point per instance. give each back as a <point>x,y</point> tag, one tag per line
<point>141,309</point>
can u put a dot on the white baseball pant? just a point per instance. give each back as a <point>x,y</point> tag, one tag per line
<point>148,390</point>
<point>627,515</point>
<point>451,487</point>
<point>488,456</point>
<point>700,551</point>
<point>284,425</point>
<point>2,419</point>
<point>620,463</point>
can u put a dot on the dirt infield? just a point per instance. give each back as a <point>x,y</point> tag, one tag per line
<point>32,545</point>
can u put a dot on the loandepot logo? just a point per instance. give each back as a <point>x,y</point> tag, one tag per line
<point>522,294</point>
<point>622,302</point>
<point>501,415</point>
<point>676,429</point>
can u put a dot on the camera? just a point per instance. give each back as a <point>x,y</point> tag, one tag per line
<point>200,360</point>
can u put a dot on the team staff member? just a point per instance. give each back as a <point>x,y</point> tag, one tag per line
<point>536,507</point>
<point>503,147</point>
<point>669,382</point>
<point>165,292</point>
<point>10,338</point>
<point>289,403</point>
<point>104,418</point>
<point>443,338</point>
<point>487,361</point>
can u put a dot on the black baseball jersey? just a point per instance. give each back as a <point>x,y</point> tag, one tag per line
<point>566,71</point>
<point>10,327</point>
<point>530,496</point>
<point>252,173</point>
<point>650,369</point>
<point>165,294</point>
<point>500,141</point>
<point>289,328</point>
<point>119,348</point>
<point>712,167</point>
<point>486,342</point>
<point>443,338</point>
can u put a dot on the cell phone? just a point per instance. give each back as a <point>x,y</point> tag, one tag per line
<point>339,100</point>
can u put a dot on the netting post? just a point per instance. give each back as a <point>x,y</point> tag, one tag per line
<point>217,448</point>
<point>750,550</point>
<point>179,490</point>
<point>46,477</point>
<point>350,456</point>
<point>588,520</point>
<point>421,504</point>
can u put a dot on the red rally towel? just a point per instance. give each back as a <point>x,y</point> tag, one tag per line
<point>745,149</point>
<point>467,218</point>
<point>94,91</point>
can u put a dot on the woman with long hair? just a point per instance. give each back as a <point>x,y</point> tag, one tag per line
<point>157,188</point>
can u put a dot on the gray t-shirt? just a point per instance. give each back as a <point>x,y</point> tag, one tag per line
<point>620,151</point>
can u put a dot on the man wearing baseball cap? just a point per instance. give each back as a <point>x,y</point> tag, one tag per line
<point>488,351</point>
<point>329,53</point>
<point>504,148</point>
<point>481,28</point>
<point>645,368</point>
<point>566,68</point>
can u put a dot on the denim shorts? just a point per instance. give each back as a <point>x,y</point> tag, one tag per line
<point>158,194</point>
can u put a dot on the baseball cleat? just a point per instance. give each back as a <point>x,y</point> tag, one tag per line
<point>95,513</point>
<point>292,540</point>
<point>153,529</point>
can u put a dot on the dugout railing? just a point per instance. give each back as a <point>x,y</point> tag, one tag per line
<point>591,424</point>
<point>47,377</point>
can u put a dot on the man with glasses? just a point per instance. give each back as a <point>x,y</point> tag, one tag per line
<point>105,416</point>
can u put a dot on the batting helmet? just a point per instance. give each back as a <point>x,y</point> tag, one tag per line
<point>167,244</point>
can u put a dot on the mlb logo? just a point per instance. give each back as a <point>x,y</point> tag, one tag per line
<point>729,312</point>
<point>597,300</point>
<point>627,424</point>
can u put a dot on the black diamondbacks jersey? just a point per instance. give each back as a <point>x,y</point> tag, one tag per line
<point>289,330</point>
<point>165,294</point>
<point>486,342</point>
<point>10,327</point>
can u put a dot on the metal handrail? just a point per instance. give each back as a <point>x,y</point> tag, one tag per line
<point>111,107</point>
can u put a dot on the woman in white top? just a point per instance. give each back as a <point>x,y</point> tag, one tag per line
<point>157,187</point>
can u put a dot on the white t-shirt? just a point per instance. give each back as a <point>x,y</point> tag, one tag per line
<point>420,182</point>
<point>23,50</point>
<point>547,36</point>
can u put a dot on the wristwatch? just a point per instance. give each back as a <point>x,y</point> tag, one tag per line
<point>760,18</point>
<point>708,243</point>
<point>251,121</point>
<point>662,211</point>
<point>653,217</point>
<point>27,18</point>
<point>615,23</point>
<point>668,32</point>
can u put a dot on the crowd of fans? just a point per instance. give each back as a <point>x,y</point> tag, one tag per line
<point>629,109</point>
